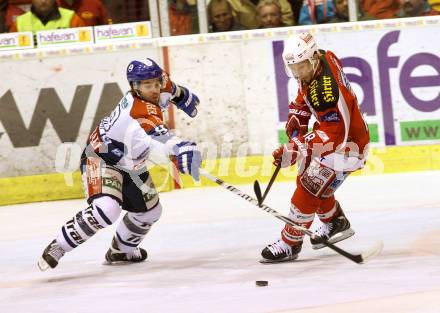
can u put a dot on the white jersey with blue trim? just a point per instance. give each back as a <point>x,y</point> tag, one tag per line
<point>127,135</point>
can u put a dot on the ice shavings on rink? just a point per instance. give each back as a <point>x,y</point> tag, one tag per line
<point>204,252</point>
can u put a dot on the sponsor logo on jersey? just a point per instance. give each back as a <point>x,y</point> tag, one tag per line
<point>313,93</point>
<point>327,89</point>
<point>112,182</point>
<point>124,103</point>
<point>323,136</point>
<point>323,92</point>
<point>330,117</point>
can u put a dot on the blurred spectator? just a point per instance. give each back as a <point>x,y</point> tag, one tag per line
<point>416,8</point>
<point>341,11</point>
<point>246,12</point>
<point>435,4</point>
<point>92,12</point>
<point>296,8</point>
<point>183,17</point>
<point>316,12</point>
<point>123,11</point>
<point>220,17</point>
<point>8,15</point>
<point>269,14</point>
<point>378,9</point>
<point>45,15</point>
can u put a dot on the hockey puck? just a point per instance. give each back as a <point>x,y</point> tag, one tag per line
<point>261,283</point>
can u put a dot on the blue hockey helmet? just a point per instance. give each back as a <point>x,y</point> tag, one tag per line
<point>143,70</point>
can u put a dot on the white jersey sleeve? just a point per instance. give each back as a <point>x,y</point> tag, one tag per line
<point>127,135</point>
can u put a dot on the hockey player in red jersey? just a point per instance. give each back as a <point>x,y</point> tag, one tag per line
<point>336,147</point>
<point>113,166</point>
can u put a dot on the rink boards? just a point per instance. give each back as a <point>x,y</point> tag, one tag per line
<point>53,98</point>
<point>233,170</point>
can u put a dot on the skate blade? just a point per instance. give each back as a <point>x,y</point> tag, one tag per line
<point>266,261</point>
<point>116,263</point>
<point>341,236</point>
<point>120,263</point>
<point>43,265</point>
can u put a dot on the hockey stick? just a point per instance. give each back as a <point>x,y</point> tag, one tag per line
<point>357,258</point>
<point>257,188</point>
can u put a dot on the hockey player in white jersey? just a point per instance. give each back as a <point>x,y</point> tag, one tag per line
<point>113,168</point>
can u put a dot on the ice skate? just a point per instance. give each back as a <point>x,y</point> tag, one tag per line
<point>334,231</point>
<point>116,256</point>
<point>51,256</point>
<point>280,251</point>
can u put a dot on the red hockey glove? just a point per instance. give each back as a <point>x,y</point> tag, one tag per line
<point>297,120</point>
<point>287,154</point>
<point>294,128</point>
<point>284,155</point>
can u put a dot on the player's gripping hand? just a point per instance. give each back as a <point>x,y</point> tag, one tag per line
<point>186,101</point>
<point>287,154</point>
<point>297,120</point>
<point>189,158</point>
<point>294,127</point>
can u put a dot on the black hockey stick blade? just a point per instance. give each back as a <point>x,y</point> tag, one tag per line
<point>257,188</point>
<point>272,179</point>
<point>257,191</point>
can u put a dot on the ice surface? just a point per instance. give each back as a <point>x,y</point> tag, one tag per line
<point>204,252</point>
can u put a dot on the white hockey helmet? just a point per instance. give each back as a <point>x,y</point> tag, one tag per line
<point>297,49</point>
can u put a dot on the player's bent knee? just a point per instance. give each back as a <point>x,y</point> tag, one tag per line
<point>135,226</point>
<point>151,216</point>
<point>106,210</point>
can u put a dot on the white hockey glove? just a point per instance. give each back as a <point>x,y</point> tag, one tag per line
<point>189,158</point>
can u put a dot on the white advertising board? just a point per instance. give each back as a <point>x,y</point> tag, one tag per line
<point>126,31</point>
<point>63,37</point>
<point>13,41</point>
<point>244,92</point>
